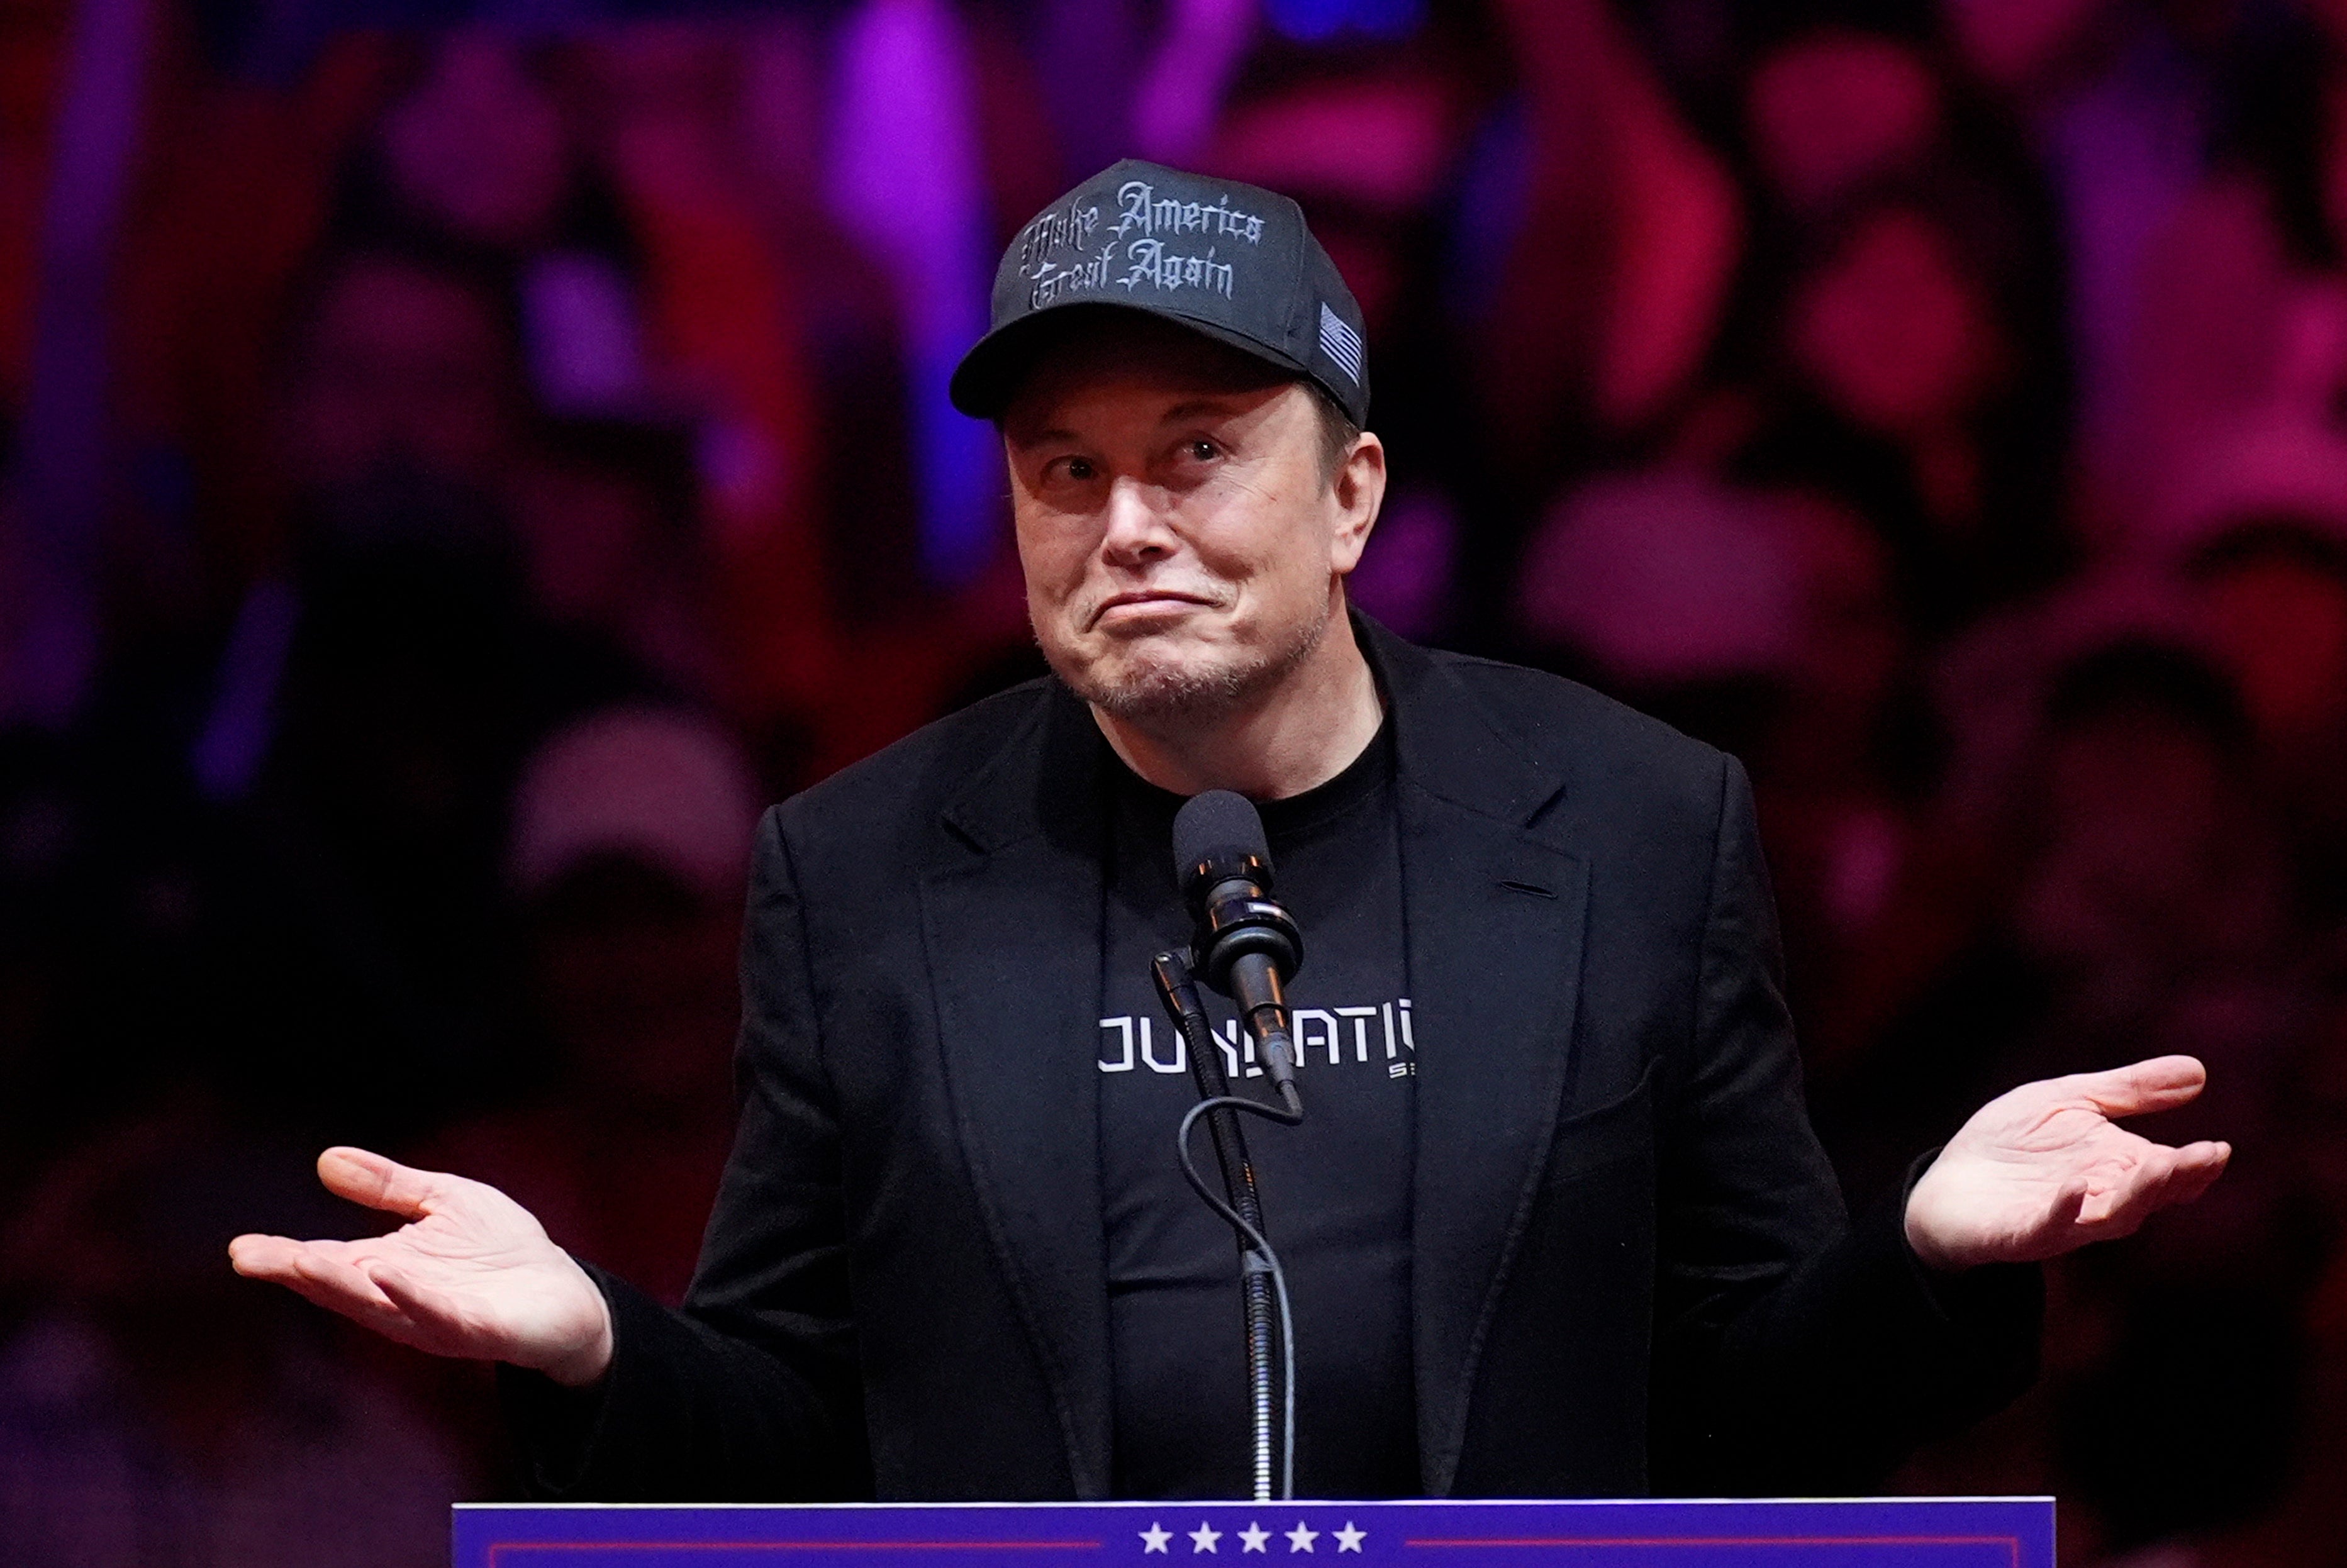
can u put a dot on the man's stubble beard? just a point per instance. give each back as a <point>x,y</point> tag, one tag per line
<point>1155,692</point>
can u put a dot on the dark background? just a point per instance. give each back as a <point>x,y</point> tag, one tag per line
<point>458,464</point>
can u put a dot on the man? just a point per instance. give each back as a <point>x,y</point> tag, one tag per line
<point>1555,1220</point>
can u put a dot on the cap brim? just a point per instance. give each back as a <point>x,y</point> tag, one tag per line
<point>989,375</point>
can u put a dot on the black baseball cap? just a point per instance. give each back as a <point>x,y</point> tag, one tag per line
<point>1233,262</point>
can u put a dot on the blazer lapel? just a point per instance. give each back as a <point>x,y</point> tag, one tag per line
<point>1012,929</point>
<point>1495,929</point>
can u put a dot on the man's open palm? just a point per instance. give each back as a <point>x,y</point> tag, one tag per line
<point>2044,1169</point>
<point>472,1273</point>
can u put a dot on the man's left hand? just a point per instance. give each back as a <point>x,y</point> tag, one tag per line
<point>2044,1170</point>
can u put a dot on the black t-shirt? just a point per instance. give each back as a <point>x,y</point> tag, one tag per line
<point>1336,1190</point>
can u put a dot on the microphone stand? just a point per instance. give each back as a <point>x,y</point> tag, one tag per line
<point>1262,1286</point>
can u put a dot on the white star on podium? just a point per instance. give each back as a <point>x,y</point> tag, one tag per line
<point>1252,1537</point>
<point>1202,1539</point>
<point>1349,1539</point>
<point>1154,1539</point>
<point>1301,1538</point>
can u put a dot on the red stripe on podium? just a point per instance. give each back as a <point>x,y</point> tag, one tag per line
<point>496,1547</point>
<point>2011,1543</point>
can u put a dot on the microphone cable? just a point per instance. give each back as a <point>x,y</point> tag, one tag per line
<point>1260,1257</point>
<point>1259,1261</point>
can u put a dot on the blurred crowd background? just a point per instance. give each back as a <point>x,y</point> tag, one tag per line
<point>458,463</point>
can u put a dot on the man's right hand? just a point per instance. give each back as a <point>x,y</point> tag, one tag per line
<point>471,1274</point>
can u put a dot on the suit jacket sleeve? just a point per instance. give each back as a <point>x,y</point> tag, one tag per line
<point>1795,1352</point>
<point>749,1393</point>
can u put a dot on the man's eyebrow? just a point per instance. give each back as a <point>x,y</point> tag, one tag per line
<point>1190,410</point>
<point>1216,407</point>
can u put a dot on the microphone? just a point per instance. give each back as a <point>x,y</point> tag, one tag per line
<point>1246,947</point>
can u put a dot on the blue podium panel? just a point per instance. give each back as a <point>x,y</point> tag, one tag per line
<point>1935,1533</point>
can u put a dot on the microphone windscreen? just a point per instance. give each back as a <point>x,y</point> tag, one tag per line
<point>1219,828</point>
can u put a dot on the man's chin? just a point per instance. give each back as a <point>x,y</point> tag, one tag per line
<point>1142,685</point>
<point>1155,680</point>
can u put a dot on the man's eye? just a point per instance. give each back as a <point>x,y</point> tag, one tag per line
<point>1077,468</point>
<point>1202,450</point>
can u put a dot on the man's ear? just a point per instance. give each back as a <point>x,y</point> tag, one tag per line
<point>1358,489</point>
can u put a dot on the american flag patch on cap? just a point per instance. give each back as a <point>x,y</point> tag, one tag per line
<point>1340,342</point>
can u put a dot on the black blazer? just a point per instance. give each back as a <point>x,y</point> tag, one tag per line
<point>1632,1269</point>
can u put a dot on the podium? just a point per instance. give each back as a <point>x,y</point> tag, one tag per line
<point>1873,1533</point>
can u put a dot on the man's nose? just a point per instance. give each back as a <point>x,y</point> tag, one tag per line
<point>1136,528</point>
